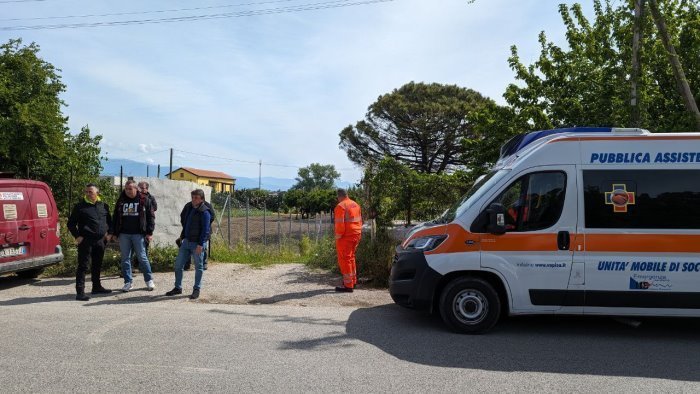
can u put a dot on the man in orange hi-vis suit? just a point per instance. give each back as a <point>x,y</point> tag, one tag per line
<point>348,230</point>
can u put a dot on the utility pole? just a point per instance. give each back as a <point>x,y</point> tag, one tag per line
<point>260,175</point>
<point>170,175</point>
<point>147,170</point>
<point>681,81</point>
<point>158,171</point>
<point>636,63</point>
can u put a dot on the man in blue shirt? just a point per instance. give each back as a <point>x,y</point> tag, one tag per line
<point>195,219</point>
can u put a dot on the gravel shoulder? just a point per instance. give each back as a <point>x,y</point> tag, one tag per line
<point>236,284</point>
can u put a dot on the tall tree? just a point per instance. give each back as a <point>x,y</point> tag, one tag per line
<point>419,125</point>
<point>34,139</point>
<point>587,82</point>
<point>678,73</point>
<point>316,176</point>
<point>32,125</point>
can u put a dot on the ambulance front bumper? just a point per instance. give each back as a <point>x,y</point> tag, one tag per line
<point>412,282</point>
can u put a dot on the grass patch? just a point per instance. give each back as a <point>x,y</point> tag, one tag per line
<point>256,255</point>
<point>373,257</point>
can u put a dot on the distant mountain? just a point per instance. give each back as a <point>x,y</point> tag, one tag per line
<point>135,168</point>
<point>132,168</point>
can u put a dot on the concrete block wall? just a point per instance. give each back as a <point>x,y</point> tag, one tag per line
<point>171,196</point>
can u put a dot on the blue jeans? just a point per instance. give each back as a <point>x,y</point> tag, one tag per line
<point>187,250</point>
<point>135,242</point>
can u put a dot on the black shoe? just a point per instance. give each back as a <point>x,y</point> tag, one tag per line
<point>100,290</point>
<point>195,294</point>
<point>174,291</point>
<point>343,289</point>
<point>82,297</point>
<point>205,267</point>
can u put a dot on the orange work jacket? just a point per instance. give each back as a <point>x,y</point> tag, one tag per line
<point>348,218</point>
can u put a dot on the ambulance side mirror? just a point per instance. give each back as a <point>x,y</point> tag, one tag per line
<point>497,219</point>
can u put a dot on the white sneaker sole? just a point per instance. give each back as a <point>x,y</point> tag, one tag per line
<point>126,290</point>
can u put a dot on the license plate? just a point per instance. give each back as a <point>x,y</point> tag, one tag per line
<point>9,252</point>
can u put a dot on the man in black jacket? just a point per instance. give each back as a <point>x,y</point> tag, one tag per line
<point>89,224</point>
<point>134,223</point>
<point>145,195</point>
<point>205,254</point>
<point>196,225</point>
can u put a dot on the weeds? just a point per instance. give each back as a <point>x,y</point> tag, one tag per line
<point>373,257</point>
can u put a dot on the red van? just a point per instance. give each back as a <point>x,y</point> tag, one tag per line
<point>29,230</point>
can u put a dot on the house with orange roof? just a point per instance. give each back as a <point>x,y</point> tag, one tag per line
<point>219,181</point>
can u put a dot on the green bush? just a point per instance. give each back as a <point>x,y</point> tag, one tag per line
<point>305,245</point>
<point>162,259</point>
<point>373,257</point>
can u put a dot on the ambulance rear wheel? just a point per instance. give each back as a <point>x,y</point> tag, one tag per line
<point>470,305</point>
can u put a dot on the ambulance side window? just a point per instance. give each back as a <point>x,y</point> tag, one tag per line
<point>534,201</point>
<point>642,199</point>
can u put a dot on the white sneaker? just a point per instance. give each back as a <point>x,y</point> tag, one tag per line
<point>127,286</point>
<point>150,285</point>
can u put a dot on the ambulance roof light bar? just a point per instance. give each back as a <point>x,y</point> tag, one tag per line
<point>519,142</point>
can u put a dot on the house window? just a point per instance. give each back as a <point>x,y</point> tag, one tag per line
<point>182,175</point>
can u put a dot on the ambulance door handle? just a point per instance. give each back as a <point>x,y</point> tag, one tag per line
<point>563,240</point>
<point>24,227</point>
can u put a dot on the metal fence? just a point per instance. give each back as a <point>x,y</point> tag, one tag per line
<point>240,223</point>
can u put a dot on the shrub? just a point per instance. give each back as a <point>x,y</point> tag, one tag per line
<point>373,257</point>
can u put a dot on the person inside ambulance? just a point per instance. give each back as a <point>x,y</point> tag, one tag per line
<point>513,200</point>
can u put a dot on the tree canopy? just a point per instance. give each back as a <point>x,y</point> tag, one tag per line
<point>316,176</point>
<point>588,83</point>
<point>419,125</point>
<point>35,141</point>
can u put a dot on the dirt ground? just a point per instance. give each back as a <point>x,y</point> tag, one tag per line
<point>282,284</point>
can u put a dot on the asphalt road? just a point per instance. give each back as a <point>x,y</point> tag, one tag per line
<point>53,344</point>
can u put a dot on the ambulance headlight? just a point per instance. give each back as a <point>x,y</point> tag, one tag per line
<point>426,243</point>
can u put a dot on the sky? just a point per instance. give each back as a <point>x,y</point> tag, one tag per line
<point>256,84</point>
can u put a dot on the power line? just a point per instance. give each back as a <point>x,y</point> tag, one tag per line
<point>216,157</point>
<point>268,11</point>
<point>252,162</point>
<point>19,1</point>
<point>142,154</point>
<point>143,12</point>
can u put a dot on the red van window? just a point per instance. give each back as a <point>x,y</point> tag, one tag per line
<point>14,203</point>
<point>42,208</point>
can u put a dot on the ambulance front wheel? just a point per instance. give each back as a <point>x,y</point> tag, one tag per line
<point>470,305</point>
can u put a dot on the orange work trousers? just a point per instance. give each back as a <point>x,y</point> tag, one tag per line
<point>345,246</point>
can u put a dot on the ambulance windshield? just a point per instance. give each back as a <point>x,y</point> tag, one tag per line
<point>481,186</point>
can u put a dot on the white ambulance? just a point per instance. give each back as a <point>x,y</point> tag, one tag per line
<point>592,221</point>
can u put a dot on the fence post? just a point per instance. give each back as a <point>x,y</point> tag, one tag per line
<point>247,215</point>
<point>279,233</point>
<point>317,227</point>
<point>289,235</point>
<point>301,230</point>
<point>264,224</point>
<point>228,219</point>
<point>308,226</point>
